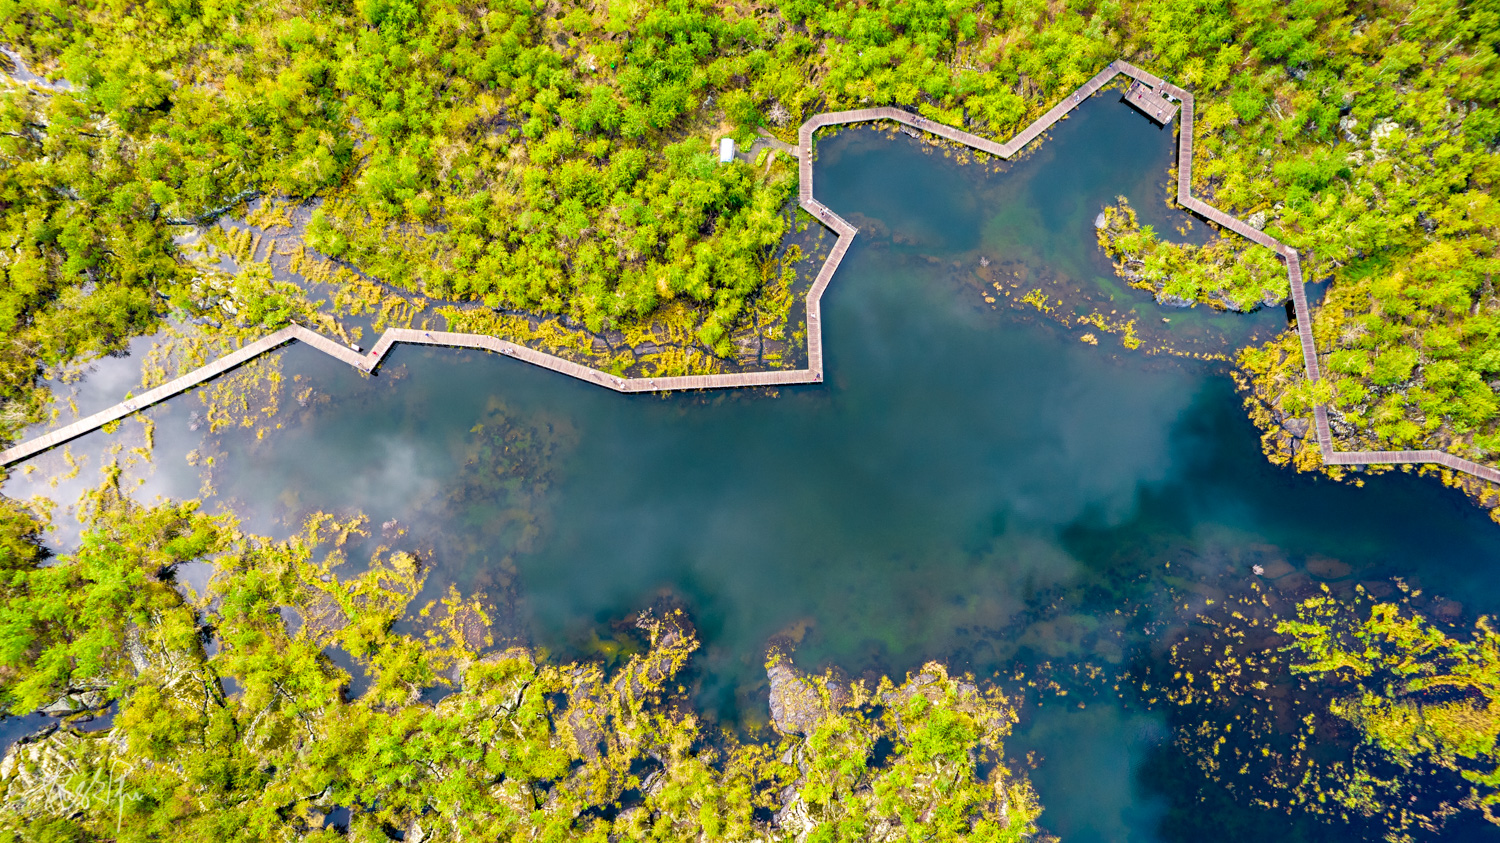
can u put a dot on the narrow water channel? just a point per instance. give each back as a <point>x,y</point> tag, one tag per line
<point>972,483</point>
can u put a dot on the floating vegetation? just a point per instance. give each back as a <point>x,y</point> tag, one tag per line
<point>1324,698</point>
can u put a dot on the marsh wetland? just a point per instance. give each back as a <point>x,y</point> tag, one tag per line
<point>989,477</point>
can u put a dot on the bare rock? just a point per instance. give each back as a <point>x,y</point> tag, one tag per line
<point>586,718</point>
<point>1347,125</point>
<point>1273,298</point>
<point>61,706</point>
<point>799,702</point>
<point>135,650</point>
<point>1297,583</point>
<point>75,701</point>
<point>1448,610</point>
<point>471,626</point>
<point>325,616</point>
<point>796,707</point>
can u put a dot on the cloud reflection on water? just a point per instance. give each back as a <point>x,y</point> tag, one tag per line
<point>1086,779</point>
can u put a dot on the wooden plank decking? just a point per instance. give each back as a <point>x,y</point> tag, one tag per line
<point>1150,102</point>
<point>1147,92</point>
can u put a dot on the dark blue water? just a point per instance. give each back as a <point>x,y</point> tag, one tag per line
<point>16,727</point>
<point>972,483</point>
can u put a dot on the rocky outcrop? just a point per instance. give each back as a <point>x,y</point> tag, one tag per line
<point>799,702</point>
<point>323,617</point>
<point>41,776</point>
<point>672,641</point>
<point>74,701</point>
<point>796,707</point>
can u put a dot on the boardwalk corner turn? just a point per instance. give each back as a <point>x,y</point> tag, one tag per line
<point>1150,94</point>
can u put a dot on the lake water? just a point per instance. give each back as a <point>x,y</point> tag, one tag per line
<point>972,483</point>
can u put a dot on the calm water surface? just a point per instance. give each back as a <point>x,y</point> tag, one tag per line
<point>972,483</point>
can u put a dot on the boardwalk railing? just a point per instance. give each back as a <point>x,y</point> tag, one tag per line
<point>1150,101</point>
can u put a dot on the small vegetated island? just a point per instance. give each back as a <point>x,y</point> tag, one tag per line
<point>548,173</point>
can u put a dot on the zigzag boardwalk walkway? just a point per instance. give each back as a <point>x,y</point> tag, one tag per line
<point>1148,93</point>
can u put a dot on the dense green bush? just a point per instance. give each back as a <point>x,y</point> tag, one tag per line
<point>259,738</point>
<point>557,159</point>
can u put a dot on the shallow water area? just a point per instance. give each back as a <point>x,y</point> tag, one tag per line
<point>972,483</point>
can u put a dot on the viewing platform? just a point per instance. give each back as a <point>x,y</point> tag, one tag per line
<point>1151,102</point>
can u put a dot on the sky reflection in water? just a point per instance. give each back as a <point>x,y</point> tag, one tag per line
<point>970,484</point>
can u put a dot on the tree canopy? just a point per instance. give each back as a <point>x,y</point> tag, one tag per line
<point>556,159</point>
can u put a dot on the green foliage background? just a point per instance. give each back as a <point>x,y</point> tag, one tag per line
<point>556,158</point>
<point>259,738</point>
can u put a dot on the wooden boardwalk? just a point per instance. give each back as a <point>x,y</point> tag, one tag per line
<point>1152,95</point>
<point>1151,102</point>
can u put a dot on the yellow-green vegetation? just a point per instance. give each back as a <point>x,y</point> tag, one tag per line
<point>1375,712</point>
<point>1373,151</point>
<point>555,159</point>
<point>938,730</point>
<point>234,723</point>
<point>1226,273</point>
<point>1082,308</point>
<point>1420,693</point>
<point>1411,354</point>
<point>1280,401</point>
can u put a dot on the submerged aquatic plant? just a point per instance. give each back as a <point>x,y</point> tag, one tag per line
<point>1422,694</point>
<point>1369,712</point>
